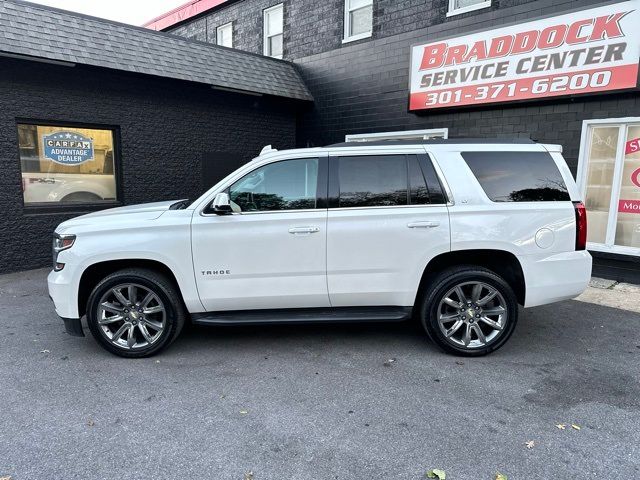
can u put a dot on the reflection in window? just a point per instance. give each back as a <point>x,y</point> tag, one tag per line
<point>287,185</point>
<point>518,176</point>
<point>66,164</point>
<point>376,181</point>
<point>419,192</point>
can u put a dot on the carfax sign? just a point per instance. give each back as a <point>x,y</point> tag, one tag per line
<point>589,51</point>
<point>68,148</point>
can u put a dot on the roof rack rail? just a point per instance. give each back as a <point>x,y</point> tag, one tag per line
<point>438,141</point>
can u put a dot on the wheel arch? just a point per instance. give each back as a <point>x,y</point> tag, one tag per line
<point>92,275</point>
<point>501,262</point>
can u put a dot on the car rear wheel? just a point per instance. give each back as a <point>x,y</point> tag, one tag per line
<point>469,311</point>
<point>135,313</point>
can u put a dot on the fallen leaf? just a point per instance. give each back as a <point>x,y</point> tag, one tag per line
<point>459,363</point>
<point>575,427</point>
<point>248,476</point>
<point>561,426</point>
<point>530,444</point>
<point>437,473</point>
<point>243,412</point>
<point>45,351</point>
<point>91,423</point>
<point>500,476</point>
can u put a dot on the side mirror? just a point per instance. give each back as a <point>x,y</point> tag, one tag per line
<point>221,204</point>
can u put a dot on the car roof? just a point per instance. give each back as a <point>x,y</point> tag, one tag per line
<point>387,146</point>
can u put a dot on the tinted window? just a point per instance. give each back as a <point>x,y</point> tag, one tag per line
<point>419,193</point>
<point>288,185</point>
<point>436,192</point>
<point>373,181</point>
<point>518,176</point>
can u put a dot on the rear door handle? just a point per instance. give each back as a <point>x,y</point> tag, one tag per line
<point>303,230</point>
<point>423,224</point>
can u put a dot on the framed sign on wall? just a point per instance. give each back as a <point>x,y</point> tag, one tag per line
<point>584,52</point>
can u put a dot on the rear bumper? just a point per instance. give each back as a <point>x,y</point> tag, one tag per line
<point>559,277</point>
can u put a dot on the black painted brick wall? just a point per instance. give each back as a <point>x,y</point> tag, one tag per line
<point>165,128</point>
<point>363,88</point>
<point>312,27</point>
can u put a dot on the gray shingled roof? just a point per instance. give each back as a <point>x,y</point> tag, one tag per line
<point>44,32</point>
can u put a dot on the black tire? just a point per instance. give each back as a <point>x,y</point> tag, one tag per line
<point>160,285</point>
<point>429,305</point>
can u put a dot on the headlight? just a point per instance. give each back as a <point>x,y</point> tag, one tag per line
<point>60,243</point>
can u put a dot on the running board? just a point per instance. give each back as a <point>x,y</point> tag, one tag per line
<point>303,315</point>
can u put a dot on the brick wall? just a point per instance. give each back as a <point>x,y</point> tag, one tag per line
<point>361,87</point>
<point>165,129</point>
<point>312,27</point>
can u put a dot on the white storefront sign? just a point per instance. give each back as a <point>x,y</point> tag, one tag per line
<point>590,51</point>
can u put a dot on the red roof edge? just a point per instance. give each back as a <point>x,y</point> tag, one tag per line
<point>182,13</point>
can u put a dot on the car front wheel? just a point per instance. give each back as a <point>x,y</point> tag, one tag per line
<point>135,313</point>
<point>469,311</point>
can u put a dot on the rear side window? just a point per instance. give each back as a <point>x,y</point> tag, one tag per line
<point>373,181</point>
<point>385,181</point>
<point>518,176</point>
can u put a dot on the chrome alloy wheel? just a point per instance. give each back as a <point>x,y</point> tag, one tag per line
<point>472,315</point>
<point>131,316</point>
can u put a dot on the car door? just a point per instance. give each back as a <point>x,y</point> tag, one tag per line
<point>271,252</point>
<point>387,218</point>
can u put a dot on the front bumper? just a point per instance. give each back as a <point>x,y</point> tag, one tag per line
<point>73,326</point>
<point>64,293</point>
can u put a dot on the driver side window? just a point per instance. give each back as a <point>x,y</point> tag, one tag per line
<point>286,185</point>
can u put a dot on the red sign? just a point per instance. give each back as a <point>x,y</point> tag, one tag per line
<point>635,178</point>
<point>595,50</point>
<point>632,146</point>
<point>629,206</point>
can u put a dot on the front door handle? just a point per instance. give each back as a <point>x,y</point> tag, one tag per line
<point>303,230</point>
<point>423,224</point>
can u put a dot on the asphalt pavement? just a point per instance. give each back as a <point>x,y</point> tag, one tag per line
<point>364,401</point>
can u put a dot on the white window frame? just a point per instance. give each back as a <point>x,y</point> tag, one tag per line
<point>581,179</point>
<point>402,135</point>
<point>347,25</point>
<point>459,11</point>
<point>265,36</point>
<point>220,29</point>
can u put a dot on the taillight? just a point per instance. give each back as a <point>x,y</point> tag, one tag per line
<point>581,226</point>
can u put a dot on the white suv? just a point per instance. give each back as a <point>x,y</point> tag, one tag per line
<point>454,233</point>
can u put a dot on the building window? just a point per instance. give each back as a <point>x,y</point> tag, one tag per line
<point>67,165</point>
<point>224,35</point>
<point>609,181</point>
<point>456,7</point>
<point>273,31</point>
<point>358,19</point>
